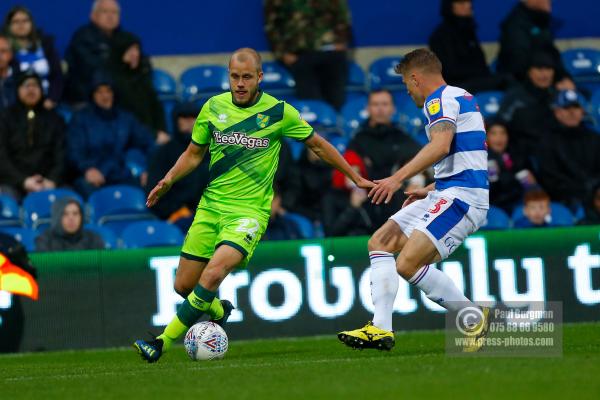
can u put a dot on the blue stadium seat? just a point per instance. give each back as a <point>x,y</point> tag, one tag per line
<point>382,74</point>
<point>561,215</point>
<point>203,81</point>
<point>151,234</point>
<point>489,102</point>
<point>296,148</point>
<point>496,219</point>
<point>23,235</point>
<point>10,214</point>
<point>117,206</point>
<point>164,84</point>
<point>110,239</point>
<point>583,64</point>
<point>135,161</point>
<point>304,225</point>
<point>339,142</point>
<point>357,80</point>
<point>168,105</point>
<point>277,80</point>
<point>37,206</point>
<point>354,113</point>
<point>317,112</point>
<point>409,116</point>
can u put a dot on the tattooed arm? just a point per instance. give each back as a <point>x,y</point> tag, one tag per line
<point>441,134</point>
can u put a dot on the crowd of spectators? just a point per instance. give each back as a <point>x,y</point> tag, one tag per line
<point>540,148</point>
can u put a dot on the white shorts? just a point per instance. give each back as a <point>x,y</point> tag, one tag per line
<point>446,221</point>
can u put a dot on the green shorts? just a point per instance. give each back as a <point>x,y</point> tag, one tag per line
<point>212,228</point>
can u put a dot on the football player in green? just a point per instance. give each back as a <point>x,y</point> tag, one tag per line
<point>242,129</point>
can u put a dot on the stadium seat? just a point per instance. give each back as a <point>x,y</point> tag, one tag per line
<point>304,225</point>
<point>382,74</point>
<point>340,143</point>
<point>354,113</point>
<point>168,105</point>
<point>409,116</point>
<point>357,81</point>
<point>10,214</point>
<point>164,84</point>
<point>110,239</point>
<point>489,102</point>
<point>203,81</point>
<point>561,215</point>
<point>37,206</point>
<point>296,148</point>
<point>23,235</point>
<point>583,64</point>
<point>135,161</point>
<point>317,112</point>
<point>151,234</point>
<point>496,219</point>
<point>277,80</point>
<point>117,206</point>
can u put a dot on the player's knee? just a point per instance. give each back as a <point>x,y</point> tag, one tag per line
<point>182,289</point>
<point>405,267</point>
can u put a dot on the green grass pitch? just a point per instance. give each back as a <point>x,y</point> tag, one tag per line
<point>310,368</point>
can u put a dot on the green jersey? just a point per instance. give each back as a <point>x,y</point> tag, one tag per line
<point>244,149</point>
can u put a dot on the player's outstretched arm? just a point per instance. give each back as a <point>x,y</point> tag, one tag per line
<point>331,156</point>
<point>441,134</point>
<point>186,163</point>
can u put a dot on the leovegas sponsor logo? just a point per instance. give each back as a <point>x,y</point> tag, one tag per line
<point>241,139</point>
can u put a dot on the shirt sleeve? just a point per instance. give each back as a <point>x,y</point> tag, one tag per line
<point>441,108</point>
<point>201,134</point>
<point>294,126</point>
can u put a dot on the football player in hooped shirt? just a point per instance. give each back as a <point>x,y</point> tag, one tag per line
<point>243,130</point>
<point>434,220</point>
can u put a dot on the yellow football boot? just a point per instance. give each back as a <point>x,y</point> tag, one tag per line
<point>478,332</point>
<point>368,337</point>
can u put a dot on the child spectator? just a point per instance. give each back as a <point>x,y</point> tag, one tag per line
<point>536,211</point>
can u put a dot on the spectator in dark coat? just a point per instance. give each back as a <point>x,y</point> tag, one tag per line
<point>592,209</point>
<point>347,210</point>
<point>526,108</point>
<point>311,38</point>
<point>280,227</point>
<point>132,74</point>
<point>315,182</point>
<point>8,74</point>
<point>455,43</point>
<point>181,202</point>
<point>99,137</point>
<point>526,30</point>
<point>66,231</point>
<point>287,177</point>
<point>569,161</point>
<point>508,174</point>
<point>382,145</point>
<point>90,48</point>
<point>31,141</point>
<point>34,50</point>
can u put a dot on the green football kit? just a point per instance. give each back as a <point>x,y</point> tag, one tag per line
<point>244,144</point>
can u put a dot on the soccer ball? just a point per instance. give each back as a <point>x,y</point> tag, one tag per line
<point>206,341</point>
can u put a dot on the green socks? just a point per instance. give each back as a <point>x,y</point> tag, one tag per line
<point>199,302</point>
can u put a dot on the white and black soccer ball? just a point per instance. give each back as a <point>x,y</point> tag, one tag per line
<point>206,341</point>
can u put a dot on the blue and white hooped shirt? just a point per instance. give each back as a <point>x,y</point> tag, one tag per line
<point>463,173</point>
